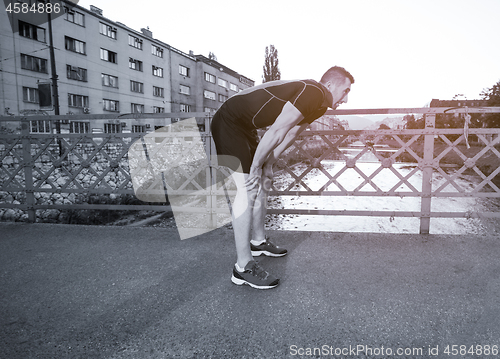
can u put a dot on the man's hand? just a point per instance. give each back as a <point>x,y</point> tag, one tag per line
<point>254,178</point>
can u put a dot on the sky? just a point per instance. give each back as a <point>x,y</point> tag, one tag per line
<point>402,53</point>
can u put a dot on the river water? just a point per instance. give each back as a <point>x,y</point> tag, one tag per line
<point>385,180</point>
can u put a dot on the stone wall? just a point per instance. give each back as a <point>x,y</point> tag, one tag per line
<point>70,179</point>
<point>80,170</point>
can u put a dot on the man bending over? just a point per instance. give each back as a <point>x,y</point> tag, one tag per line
<point>288,107</point>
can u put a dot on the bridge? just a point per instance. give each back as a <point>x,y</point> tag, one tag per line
<point>136,292</point>
<point>140,292</point>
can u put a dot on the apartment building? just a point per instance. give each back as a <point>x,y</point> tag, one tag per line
<point>103,67</point>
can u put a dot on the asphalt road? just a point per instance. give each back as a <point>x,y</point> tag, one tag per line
<point>70,291</point>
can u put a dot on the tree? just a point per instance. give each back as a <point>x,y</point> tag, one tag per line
<point>411,123</point>
<point>271,70</point>
<point>492,96</point>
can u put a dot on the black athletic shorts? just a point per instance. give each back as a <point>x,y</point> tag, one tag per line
<point>234,143</point>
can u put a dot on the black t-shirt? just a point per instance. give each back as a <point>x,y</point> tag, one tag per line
<point>259,106</point>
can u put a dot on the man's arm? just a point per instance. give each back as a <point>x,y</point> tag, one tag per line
<point>289,117</point>
<point>291,136</point>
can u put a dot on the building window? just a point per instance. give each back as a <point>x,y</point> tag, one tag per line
<point>185,108</point>
<point>157,51</point>
<point>138,128</point>
<point>31,31</point>
<point>135,64</point>
<point>157,71</point>
<point>222,98</point>
<point>158,91</point>
<point>112,128</point>
<point>209,95</point>
<point>109,56</point>
<point>135,42</point>
<point>222,83</point>
<point>79,127</point>
<point>40,126</point>
<point>30,95</point>
<point>209,77</point>
<point>184,71</point>
<point>110,105</point>
<point>185,90</point>
<point>33,63</point>
<point>157,109</point>
<point>233,87</point>
<point>76,73</point>
<point>74,45</point>
<point>78,100</point>
<point>136,86</point>
<point>137,108</point>
<point>74,16</point>
<point>110,81</point>
<point>107,30</point>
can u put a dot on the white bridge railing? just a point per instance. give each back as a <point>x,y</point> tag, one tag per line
<point>403,141</point>
<point>41,171</point>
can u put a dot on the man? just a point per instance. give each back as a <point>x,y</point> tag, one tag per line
<point>288,107</point>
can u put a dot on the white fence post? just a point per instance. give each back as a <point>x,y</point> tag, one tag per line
<point>427,168</point>
<point>28,170</point>
<point>211,180</point>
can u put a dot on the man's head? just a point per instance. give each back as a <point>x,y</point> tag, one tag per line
<point>338,81</point>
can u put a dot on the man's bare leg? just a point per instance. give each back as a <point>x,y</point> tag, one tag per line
<point>260,244</point>
<point>259,215</point>
<point>246,270</point>
<point>242,214</point>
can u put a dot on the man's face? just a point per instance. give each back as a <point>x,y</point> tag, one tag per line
<point>340,91</point>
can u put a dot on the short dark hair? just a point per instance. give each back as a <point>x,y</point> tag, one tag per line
<point>336,73</point>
